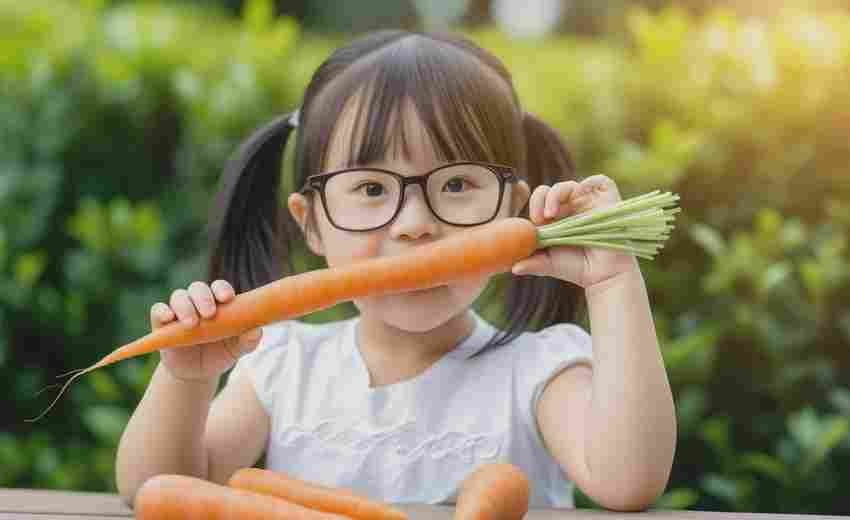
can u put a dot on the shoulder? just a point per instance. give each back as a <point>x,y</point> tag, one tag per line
<point>561,341</point>
<point>537,357</point>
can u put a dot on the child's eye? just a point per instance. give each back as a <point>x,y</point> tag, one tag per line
<point>455,184</point>
<point>373,189</point>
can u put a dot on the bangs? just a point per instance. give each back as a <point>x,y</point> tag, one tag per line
<point>462,109</point>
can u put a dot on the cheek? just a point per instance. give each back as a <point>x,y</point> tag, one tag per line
<point>345,248</point>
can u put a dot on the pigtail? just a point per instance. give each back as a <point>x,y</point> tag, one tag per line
<point>539,301</point>
<point>248,227</point>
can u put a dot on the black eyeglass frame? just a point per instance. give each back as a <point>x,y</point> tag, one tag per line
<point>318,181</point>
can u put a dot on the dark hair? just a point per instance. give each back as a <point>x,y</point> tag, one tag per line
<point>467,102</point>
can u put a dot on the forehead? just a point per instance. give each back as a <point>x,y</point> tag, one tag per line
<point>405,138</point>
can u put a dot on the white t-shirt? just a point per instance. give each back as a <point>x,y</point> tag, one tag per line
<point>415,440</point>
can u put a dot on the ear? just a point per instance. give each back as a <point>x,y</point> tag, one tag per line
<point>519,197</point>
<point>299,207</point>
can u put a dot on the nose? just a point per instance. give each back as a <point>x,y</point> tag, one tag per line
<point>414,219</point>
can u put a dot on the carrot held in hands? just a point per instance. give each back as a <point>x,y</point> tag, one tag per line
<point>315,496</point>
<point>638,225</point>
<point>495,491</point>
<point>491,248</point>
<point>180,497</point>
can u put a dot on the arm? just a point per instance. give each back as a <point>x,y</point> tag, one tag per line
<point>613,427</point>
<point>178,428</point>
<point>165,432</point>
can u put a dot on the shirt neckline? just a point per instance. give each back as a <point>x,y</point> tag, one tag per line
<point>470,345</point>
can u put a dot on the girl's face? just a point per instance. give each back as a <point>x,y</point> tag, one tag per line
<point>416,311</point>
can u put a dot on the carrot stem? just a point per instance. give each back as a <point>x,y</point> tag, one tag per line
<point>638,225</point>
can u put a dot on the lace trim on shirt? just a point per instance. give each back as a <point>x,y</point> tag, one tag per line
<point>403,440</point>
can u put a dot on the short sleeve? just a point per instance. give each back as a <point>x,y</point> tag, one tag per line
<point>265,363</point>
<point>546,354</point>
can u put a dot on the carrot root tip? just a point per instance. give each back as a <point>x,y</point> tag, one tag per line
<point>78,373</point>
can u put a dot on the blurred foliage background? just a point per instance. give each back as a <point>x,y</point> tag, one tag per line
<point>117,117</point>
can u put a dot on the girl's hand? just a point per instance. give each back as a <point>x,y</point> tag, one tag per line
<point>583,266</point>
<point>207,360</point>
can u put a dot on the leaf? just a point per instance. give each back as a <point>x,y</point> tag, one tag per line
<point>768,223</point>
<point>804,428</point>
<point>107,422</point>
<point>715,431</point>
<point>105,387</point>
<point>147,222</point>
<point>812,275</point>
<point>693,353</point>
<point>690,407</point>
<point>13,459</point>
<point>257,14</point>
<point>679,498</point>
<point>833,431</point>
<point>840,398</point>
<point>708,238</point>
<point>766,465</point>
<point>793,234</point>
<point>721,487</point>
<point>774,275</point>
<point>29,267</point>
<point>3,249</point>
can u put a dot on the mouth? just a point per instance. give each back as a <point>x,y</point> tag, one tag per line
<point>421,291</point>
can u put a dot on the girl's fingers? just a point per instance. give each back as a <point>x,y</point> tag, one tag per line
<point>183,307</point>
<point>540,263</point>
<point>222,290</point>
<point>202,299</point>
<point>557,198</point>
<point>535,204</point>
<point>250,340</point>
<point>238,346</point>
<point>160,314</point>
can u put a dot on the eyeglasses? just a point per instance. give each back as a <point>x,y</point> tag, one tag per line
<point>465,193</point>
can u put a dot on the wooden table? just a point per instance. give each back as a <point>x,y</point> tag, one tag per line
<point>33,504</point>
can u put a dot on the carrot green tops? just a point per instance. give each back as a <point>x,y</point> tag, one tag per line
<point>415,440</point>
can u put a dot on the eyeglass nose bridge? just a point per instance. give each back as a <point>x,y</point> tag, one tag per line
<point>422,181</point>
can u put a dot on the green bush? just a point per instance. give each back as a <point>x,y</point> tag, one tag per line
<point>116,122</point>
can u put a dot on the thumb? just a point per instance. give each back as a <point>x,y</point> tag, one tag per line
<point>539,264</point>
<point>249,340</point>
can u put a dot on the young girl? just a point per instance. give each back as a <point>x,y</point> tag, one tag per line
<point>403,139</point>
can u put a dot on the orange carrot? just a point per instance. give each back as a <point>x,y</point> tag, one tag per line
<point>491,248</point>
<point>180,497</point>
<point>478,251</point>
<point>495,491</point>
<point>315,496</point>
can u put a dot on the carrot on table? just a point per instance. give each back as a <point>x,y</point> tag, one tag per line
<point>494,491</point>
<point>313,495</point>
<point>181,497</point>
<point>480,251</point>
